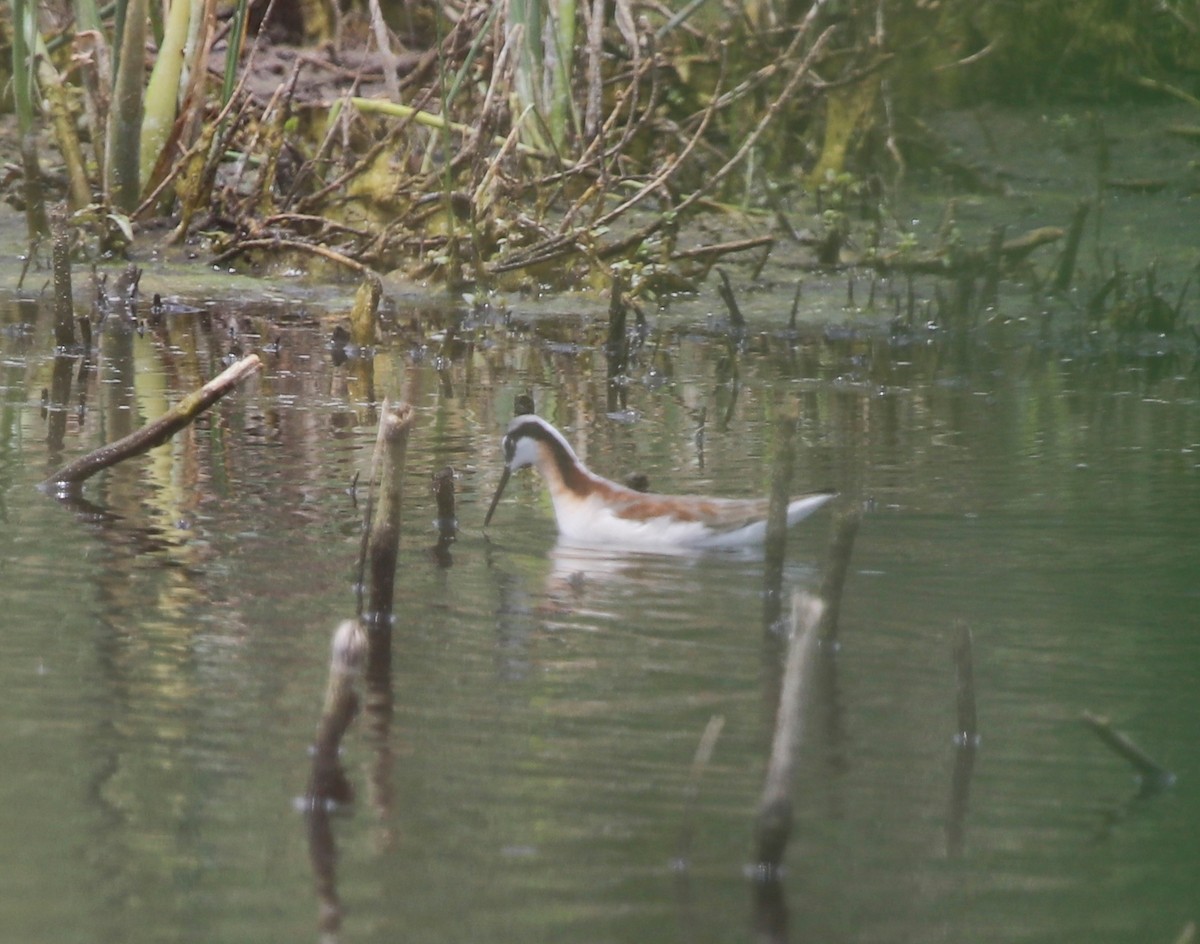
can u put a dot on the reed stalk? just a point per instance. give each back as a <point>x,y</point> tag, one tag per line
<point>162,91</point>
<point>87,17</point>
<point>123,134</point>
<point>236,36</point>
<point>23,45</point>
<point>560,69</point>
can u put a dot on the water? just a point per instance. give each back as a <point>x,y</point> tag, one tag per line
<point>523,773</point>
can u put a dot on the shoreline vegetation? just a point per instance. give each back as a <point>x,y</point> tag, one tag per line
<point>545,144</point>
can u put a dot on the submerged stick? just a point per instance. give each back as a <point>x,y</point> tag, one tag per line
<point>1150,770</point>
<point>328,786</point>
<point>704,752</point>
<point>939,262</point>
<point>845,529</point>
<point>327,781</point>
<point>158,432</point>
<point>774,824</point>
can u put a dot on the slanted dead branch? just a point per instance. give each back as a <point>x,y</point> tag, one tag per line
<point>155,433</point>
<point>1151,771</point>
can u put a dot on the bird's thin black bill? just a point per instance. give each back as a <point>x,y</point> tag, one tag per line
<point>496,497</point>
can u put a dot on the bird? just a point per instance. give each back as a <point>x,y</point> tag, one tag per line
<point>593,510</point>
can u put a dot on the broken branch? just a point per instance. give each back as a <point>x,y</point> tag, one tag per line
<point>155,433</point>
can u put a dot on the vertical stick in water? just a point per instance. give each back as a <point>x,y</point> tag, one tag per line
<point>383,542</point>
<point>1066,266</point>
<point>991,267</point>
<point>968,732</point>
<point>774,825</point>
<point>328,786</point>
<point>124,132</point>
<point>844,531</point>
<point>737,320</point>
<point>775,546</point>
<point>327,781</point>
<point>64,301</point>
<point>447,521</point>
<point>363,314</point>
<point>966,739</point>
<point>617,346</point>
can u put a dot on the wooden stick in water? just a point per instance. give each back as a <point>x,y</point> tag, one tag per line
<point>383,544</point>
<point>737,320</point>
<point>967,735</point>
<point>704,752</point>
<point>1066,265</point>
<point>991,266</point>
<point>64,300</point>
<point>327,782</point>
<point>775,545</point>
<point>155,433</point>
<point>1149,769</point>
<point>774,824</point>
<point>966,741</point>
<point>845,529</point>
<point>328,785</point>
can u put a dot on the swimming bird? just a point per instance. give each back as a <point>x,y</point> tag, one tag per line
<point>591,509</point>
